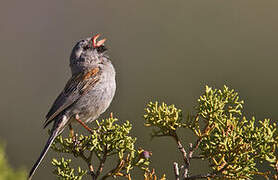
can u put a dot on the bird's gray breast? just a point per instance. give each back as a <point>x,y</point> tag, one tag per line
<point>92,104</point>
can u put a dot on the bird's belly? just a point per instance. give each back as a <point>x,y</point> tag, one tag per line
<point>95,102</point>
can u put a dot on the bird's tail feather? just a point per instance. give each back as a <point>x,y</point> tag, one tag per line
<point>43,153</point>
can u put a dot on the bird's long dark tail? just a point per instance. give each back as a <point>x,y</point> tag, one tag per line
<point>43,153</point>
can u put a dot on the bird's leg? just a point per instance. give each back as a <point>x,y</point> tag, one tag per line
<point>72,135</point>
<point>83,124</point>
<point>71,131</point>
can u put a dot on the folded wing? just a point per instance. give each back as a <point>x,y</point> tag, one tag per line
<point>77,86</point>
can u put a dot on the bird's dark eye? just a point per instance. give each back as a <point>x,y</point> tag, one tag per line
<point>86,47</point>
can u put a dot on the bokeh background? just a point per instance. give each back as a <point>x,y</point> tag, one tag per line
<point>165,50</point>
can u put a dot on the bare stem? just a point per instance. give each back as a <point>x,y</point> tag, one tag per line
<point>198,157</point>
<point>90,165</point>
<point>101,163</point>
<point>184,154</point>
<point>181,148</point>
<point>187,156</point>
<point>177,171</point>
<point>108,174</point>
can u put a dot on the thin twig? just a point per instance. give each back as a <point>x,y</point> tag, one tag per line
<point>181,148</point>
<point>198,157</point>
<point>108,174</point>
<point>91,168</point>
<point>176,170</point>
<point>196,145</point>
<point>90,165</point>
<point>187,156</point>
<point>101,163</point>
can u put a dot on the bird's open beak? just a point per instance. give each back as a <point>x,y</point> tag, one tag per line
<point>97,43</point>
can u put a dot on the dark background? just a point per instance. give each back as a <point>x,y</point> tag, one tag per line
<point>165,50</point>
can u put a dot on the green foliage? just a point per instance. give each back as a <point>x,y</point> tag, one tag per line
<point>232,144</point>
<point>217,104</point>
<point>65,172</point>
<point>6,172</point>
<point>107,139</point>
<point>165,118</point>
<point>113,138</point>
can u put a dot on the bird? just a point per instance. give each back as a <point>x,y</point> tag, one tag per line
<point>86,95</point>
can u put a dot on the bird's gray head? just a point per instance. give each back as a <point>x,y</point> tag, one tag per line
<point>87,53</point>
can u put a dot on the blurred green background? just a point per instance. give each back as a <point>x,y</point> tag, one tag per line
<point>164,50</point>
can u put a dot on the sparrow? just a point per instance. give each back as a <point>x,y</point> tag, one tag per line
<point>87,94</point>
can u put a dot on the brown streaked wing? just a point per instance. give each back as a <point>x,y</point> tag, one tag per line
<point>75,87</point>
